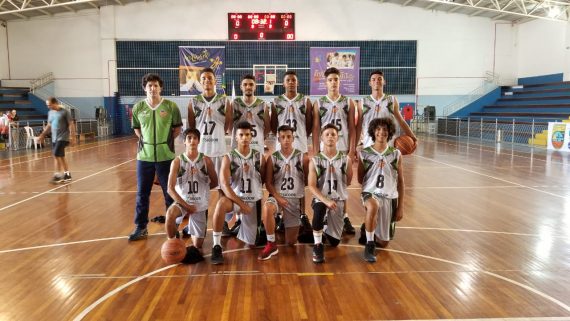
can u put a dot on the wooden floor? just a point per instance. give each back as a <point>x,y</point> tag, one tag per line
<point>486,235</point>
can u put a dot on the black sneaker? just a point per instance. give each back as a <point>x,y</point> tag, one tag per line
<point>217,256</point>
<point>67,177</point>
<point>138,234</point>
<point>56,179</point>
<point>235,229</point>
<point>319,253</point>
<point>159,219</point>
<point>305,223</point>
<point>193,255</point>
<point>279,224</point>
<point>185,232</point>
<point>370,252</point>
<point>348,228</point>
<point>226,230</point>
<point>362,238</point>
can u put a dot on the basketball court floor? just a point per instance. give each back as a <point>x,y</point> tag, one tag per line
<point>486,235</point>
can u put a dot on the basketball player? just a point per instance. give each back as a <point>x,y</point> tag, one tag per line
<point>338,110</point>
<point>378,105</point>
<point>241,182</point>
<point>253,110</point>
<point>330,173</point>
<point>192,175</point>
<point>380,172</point>
<point>156,121</point>
<point>285,182</point>
<point>294,110</point>
<point>211,114</point>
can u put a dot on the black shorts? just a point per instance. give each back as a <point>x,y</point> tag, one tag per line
<point>58,148</point>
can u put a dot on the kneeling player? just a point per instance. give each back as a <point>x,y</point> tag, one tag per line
<point>191,177</point>
<point>380,173</point>
<point>241,182</point>
<point>285,182</point>
<point>330,173</point>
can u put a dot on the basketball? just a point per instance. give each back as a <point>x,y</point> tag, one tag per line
<point>405,144</point>
<point>173,251</point>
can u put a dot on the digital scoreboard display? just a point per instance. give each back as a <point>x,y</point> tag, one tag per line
<point>261,26</point>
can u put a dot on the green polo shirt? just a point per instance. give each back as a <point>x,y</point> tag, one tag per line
<point>157,143</point>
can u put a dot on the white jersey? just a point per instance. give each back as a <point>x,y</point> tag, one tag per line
<point>210,121</point>
<point>292,112</point>
<point>193,181</point>
<point>372,109</point>
<point>331,175</point>
<point>380,171</point>
<point>288,174</point>
<point>336,113</point>
<point>254,115</point>
<point>245,175</point>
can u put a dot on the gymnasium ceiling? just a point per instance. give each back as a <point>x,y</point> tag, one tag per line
<point>516,11</point>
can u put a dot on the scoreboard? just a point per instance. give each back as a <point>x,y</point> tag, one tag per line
<point>261,26</point>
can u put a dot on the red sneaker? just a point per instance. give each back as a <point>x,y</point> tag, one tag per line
<point>268,251</point>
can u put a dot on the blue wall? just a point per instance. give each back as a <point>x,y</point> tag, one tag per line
<point>541,79</point>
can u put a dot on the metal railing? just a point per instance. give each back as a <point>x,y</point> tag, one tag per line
<point>511,130</point>
<point>485,88</point>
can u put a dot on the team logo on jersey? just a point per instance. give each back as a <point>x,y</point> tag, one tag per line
<point>194,170</point>
<point>246,168</point>
<point>381,164</point>
<point>163,113</point>
<point>332,169</point>
<point>249,116</point>
<point>291,109</point>
<point>209,111</point>
<point>334,109</point>
<point>287,168</point>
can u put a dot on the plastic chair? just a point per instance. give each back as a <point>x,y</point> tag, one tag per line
<point>31,138</point>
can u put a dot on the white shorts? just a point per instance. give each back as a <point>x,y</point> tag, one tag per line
<point>291,213</point>
<point>197,222</point>
<point>248,228</point>
<point>385,218</point>
<point>217,161</point>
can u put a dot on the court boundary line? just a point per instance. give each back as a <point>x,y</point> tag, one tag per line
<point>111,293</point>
<point>490,149</point>
<point>61,186</point>
<point>492,177</point>
<point>70,152</point>
<point>29,248</point>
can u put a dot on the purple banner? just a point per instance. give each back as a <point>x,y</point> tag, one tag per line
<point>345,59</point>
<point>193,60</point>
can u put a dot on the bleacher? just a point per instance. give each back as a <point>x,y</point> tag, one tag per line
<point>17,98</point>
<point>521,114</point>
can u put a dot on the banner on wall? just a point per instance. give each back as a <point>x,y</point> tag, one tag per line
<point>193,60</point>
<point>558,136</point>
<point>345,59</point>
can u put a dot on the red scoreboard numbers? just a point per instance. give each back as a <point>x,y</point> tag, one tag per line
<point>261,26</point>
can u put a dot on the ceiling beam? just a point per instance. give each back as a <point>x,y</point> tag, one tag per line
<point>45,12</point>
<point>476,13</point>
<point>432,5</point>
<point>118,2</point>
<point>407,2</point>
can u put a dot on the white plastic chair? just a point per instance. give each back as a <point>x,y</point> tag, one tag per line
<point>31,139</point>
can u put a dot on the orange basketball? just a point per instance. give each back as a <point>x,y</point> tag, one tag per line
<point>405,144</point>
<point>173,251</point>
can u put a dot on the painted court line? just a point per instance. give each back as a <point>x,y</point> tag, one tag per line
<point>545,296</point>
<point>163,233</point>
<point>491,176</point>
<point>48,154</point>
<point>56,188</point>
